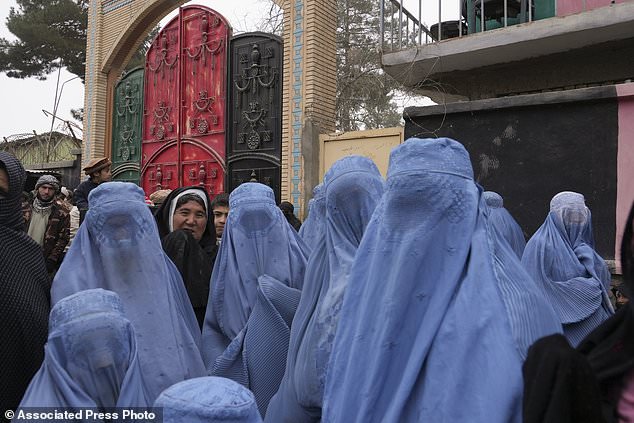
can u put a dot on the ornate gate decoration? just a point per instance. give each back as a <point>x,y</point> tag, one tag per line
<point>126,130</point>
<point>185,97</point>
<point>254,146</point>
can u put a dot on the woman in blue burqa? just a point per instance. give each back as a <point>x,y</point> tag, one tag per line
<point>118,248</point>
<point>255,289</point>
<point>90,357</point>
<point>208,400</point>
<point>561,258</point>
<point>353,186</point>
<point>314,223</point>
<point>438,315</point>
<point>503,223</point>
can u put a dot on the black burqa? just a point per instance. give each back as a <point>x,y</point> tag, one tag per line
<point>24,293</point>
<point>610,348</point>
<point>559,384</point>
<point>194,259</point>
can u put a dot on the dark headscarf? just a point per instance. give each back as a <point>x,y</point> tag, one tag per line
<point>289,213</point>
<point>610,347</point>
<point>24,296</point>
<point>208,240</point>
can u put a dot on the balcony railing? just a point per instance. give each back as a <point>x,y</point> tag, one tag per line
<point>406,23</point>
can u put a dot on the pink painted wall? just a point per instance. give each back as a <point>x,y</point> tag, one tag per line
<point>624,163</point>
<point>568,7</point>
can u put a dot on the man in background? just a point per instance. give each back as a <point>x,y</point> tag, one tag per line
<point>220,211</point>
<point>50,223</point>
<point>98,171</point>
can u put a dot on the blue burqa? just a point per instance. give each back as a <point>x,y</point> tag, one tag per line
<point>314,223</point>
<point>438,315</point>
<point>353,186</point>
<point>255,289</point>
<point>503,223</point>
<point>90,357</point>
<point>118,248</point>
<point>560,257</point>
<point>208,400</point>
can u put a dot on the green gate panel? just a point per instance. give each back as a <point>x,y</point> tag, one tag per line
<point>127,127</point>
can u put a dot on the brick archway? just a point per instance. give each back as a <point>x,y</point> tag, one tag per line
<point>116,27</point>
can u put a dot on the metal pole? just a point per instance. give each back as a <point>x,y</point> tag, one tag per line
<point>530,10</point>
<point>400,24</point>
<point>407,32</point>
<point>482,26</point>
<point>381,25</point>
<point>459,18</point>
<point>391,26</point>
<point>439,20</point>
<point>506,13</point>
<point>55,102</point>
<point>420,21</point>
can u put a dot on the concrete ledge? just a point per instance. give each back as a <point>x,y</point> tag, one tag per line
<point>567,96</point>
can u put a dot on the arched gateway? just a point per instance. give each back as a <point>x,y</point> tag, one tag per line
<point>115,29</point>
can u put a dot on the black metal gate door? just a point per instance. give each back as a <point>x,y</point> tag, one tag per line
<point>254,144</point>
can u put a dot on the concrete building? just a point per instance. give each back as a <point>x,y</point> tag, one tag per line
<point>539,91</point>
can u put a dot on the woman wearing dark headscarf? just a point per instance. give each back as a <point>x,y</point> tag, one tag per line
<point>255,290</point>
<point>186,228</point>
<point>91,357</point>
<point>24,296</point>
<point>353,187</point>
<point>560,257</point>
<point>289,213</point>
<point>117,248</point>
<point>437,315</point>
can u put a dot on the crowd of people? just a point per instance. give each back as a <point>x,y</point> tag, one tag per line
<point>414,298</point>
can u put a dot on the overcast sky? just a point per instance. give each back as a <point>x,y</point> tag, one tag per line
<point>23,99</point>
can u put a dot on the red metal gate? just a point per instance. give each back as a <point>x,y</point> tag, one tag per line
<point>185,95</point>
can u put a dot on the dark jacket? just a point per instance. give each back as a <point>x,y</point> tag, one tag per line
<point>56,237</point>
<point>81,194</point>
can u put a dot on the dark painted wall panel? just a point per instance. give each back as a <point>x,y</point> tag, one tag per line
<point>530,153</point>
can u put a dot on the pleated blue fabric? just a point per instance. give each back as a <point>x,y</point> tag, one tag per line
<point>561,258</point>
<point>208,400</point>
<point>503,223</point>
<point>260,267</point>
<point>438,315</point>
<point>90,357</point>
<point>118,248</point>
<point>353,187</point>
<point>314,223</point>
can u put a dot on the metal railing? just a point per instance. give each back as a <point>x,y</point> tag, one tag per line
<point>401,27</point>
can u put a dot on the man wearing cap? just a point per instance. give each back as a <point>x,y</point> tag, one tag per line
<point>50,223</point>
<point>98,171</point>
